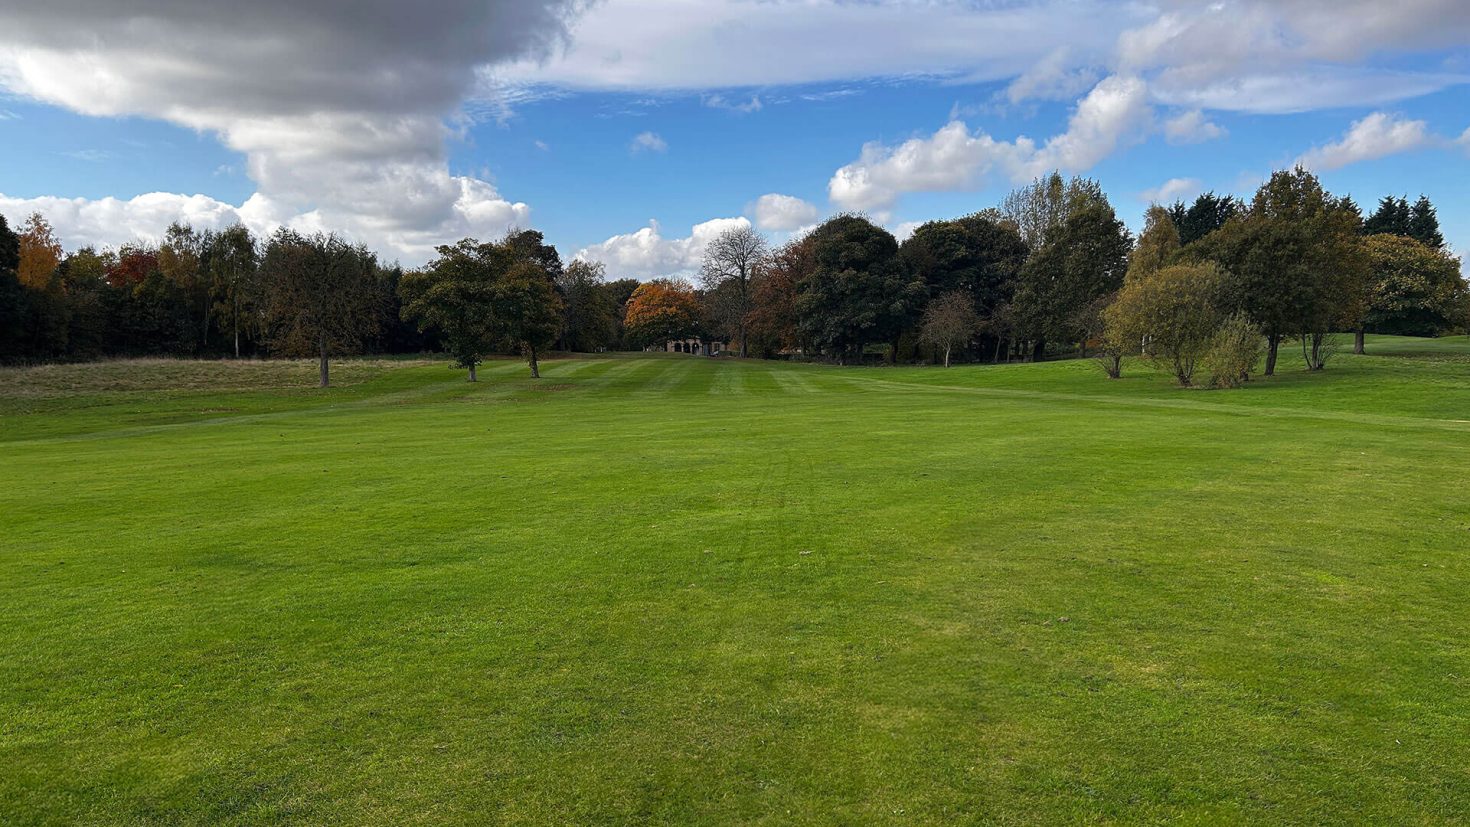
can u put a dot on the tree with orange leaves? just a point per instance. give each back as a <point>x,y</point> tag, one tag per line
<point>662,309</point>
<point>40,253</point>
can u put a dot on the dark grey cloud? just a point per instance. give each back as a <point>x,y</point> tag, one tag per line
<point>341,107</point>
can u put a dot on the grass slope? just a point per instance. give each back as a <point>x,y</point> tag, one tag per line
<point>688,590</point>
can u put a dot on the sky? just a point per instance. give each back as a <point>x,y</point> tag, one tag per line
<point>633,131</point>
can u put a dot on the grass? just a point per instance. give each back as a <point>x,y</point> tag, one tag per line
<point>675,589</point>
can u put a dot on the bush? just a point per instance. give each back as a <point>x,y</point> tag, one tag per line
<point>1234,350</point>
<point>1174,309</point>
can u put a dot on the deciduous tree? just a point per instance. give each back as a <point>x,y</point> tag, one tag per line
<point>455,294</point>
<point>233,284</point>
<point>1157,245</point>
<point>590,314</point>
<point>949,322</point>
<point>1416,290</point>
<point>319,295</point>
<point>1041,207</point>
<point>1295,266</point>
<point>730,262</point>
<point>1083,259</point>
<point>1176,308</point>
<point>527,308</point>
<point>661,310</point>
<point>856,292</point>
<point>39,252</point>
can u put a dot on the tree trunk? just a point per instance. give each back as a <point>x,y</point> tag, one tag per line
<point>535,366</point>
<point>998,342</point>
<point>742,340</point>
<point>1358,341</point>
<point>1273,343</point>
<point>1038,350</point>
<point>236,304</point>
<point>1082,349</point>
<point>322,348</point>
<point>946,355</point>
<point>473,377</point>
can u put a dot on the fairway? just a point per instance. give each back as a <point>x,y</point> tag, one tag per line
<point>676,589</point>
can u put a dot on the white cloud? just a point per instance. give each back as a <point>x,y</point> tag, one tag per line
<point>718,101</point>
<point>904,229</point>
<point>340,112</point>
<point>1052,78</point>
<point>647,254</point>
<point>1266,56</point>
<point>725,44</point>
<point>1191,127</point>
<point>1114,113</point>
<point>782,213</point>
<point>648,142</point>
<point>542,145</point>
<point>1246,55</point>
<point>1464,140</point>
<point>110,222</point>
<point>1375,136</point>
<point>1172,190</point>
<point>91,156</point>
<point>1289,91</point>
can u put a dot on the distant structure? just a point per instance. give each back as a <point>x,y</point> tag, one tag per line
<point>697,347</point>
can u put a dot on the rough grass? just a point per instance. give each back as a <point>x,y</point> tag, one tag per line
<point>180,375</point>
<point>699,591</point>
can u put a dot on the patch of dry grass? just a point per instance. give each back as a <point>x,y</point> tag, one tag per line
<point>147,375</point>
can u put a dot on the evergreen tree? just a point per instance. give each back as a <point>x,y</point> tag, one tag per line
<point>1208,213</point>
<point>1393,216</point>
<point>1424,224</point>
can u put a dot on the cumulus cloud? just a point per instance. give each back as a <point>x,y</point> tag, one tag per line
<point>1191,127</point>
<point>648,142</point>
<point>341,113</point>
<point>782,213</point>
<point>647,254</point>
<point>1114,113</point>
<point>111,222</point>
<point>1378,135</point>
<point>1172,190</point>
<point>904,229</point>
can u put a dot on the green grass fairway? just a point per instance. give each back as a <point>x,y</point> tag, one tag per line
<point>675,589</point>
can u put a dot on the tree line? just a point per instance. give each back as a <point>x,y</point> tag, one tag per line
<point>226,293</point>
<point>1051,270</point>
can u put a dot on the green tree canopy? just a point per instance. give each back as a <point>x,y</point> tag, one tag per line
<point>1417,289</point>
<point>1082,260</point>
<point>455,294</point>
<point>856,292</point>
<point>977,255</point>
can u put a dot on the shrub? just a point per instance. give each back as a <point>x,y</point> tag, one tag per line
<point>1234,350</point>
<point>1174,308</point>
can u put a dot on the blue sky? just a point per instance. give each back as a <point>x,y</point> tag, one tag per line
<point>406,133</point>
